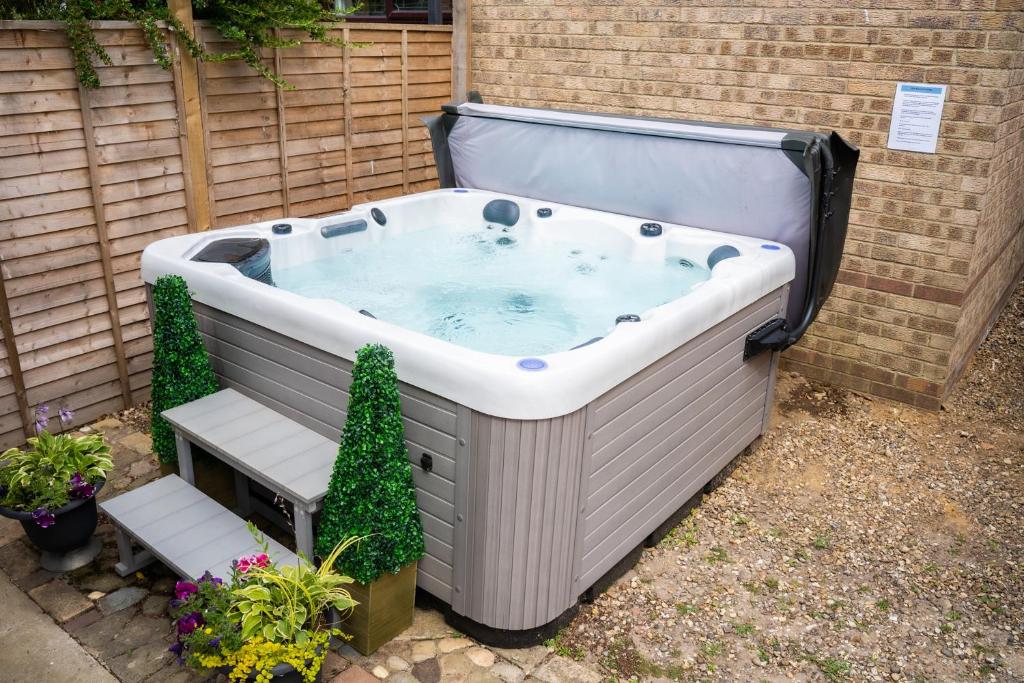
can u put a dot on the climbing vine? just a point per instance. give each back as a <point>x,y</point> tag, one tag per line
<point>251,25</point>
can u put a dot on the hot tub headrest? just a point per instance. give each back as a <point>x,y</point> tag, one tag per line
<point>249,255</point>
<point>786,186</point>
<point>502,212</point>
<point>721,253</point>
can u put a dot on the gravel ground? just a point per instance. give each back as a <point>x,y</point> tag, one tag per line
<point>862,540</point>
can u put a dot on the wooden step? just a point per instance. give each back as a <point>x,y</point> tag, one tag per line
<point>183,528</point>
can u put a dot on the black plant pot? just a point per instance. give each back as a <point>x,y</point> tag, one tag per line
<point>73,525</point>
<point>285,673</point>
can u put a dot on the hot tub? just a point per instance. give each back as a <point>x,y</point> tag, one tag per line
<point>571,377</point>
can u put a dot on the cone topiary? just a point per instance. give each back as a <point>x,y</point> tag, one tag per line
<point>371,494</point>
<point>181,368</point>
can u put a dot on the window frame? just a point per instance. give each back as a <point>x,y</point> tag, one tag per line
<point>393,15</point>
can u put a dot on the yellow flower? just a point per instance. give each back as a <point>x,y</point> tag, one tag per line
<point>139,575</point>
<point>208,631</point>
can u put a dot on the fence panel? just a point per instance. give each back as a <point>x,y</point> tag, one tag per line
<point>351,113</point>
<point>89,178</point>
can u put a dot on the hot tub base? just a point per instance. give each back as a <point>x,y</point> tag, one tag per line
<point>495,637</point>
<point>522,518</point>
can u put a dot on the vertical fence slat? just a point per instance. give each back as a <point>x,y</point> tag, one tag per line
<point>282,135</point>
<point>96,186</point>
<point>13,360</point>
<point>405,110</point>
<point>202,131</point>
<point>346,85</point>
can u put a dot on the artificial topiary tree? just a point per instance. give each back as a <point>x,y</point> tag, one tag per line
<point>181,368</point>
<point>371,494</point>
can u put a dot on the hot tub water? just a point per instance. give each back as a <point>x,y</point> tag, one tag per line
<point>493,289</point>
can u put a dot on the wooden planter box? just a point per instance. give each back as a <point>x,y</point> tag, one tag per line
<point>385,609</point>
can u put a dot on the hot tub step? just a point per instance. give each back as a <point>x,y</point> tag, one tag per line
<point>183,528</point>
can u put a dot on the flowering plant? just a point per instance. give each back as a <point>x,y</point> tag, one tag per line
<point>266,615</point>
<point>55,470</point>
<point>202,624</point>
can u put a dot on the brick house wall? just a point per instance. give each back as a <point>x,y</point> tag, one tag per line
<point>935,242</point>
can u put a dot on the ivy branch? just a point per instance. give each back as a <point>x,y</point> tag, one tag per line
<point>252,26</point>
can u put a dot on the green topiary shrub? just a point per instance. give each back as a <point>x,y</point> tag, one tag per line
<point>371,494</point>
<point>181,368</point>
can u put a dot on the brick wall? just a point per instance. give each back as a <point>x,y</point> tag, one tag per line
<point>935,240</point>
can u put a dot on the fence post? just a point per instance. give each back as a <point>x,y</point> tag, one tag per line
<point>462,49</point>
<point>194,147</point>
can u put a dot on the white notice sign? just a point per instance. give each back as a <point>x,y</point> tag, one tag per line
<point>916,115</point>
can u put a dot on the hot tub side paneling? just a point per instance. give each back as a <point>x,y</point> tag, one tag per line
<point>523,481</point>
<point>310,386</point>
<point>551,505</point>
<point>656,439</point>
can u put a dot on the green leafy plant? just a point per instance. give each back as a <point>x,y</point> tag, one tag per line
<point>181,368</point>
<point>371,493</point>
<point>54,470</point>
<point>201,618</point>
<point>283,604</point>
<point>265,616</point>
<point>252,26</point>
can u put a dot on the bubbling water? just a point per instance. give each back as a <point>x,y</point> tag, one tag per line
<point>492,289</point>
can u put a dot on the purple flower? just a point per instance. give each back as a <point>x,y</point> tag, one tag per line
<point>80,488</point>
<point>44,518</point>
<point>184,589</point>
<point>207,577</point>
<point>190,622</point>
<point>175,603</point>
<point>214,642</point>
<point>41,423</point>
<point>66,415</point>
<point>43,410</point>
<point>177,648</point>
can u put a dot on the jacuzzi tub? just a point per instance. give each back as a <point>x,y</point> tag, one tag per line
<point>542,460</point>
<point>547,466</point>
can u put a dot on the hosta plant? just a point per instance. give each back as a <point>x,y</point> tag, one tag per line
<point>54,470</point>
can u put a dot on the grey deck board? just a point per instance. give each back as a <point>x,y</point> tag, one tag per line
<point>185,529</point>
<point>266,446</point>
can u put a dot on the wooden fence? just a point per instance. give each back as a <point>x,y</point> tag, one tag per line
<point>89,178</point>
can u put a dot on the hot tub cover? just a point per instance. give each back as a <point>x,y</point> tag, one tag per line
<point>787,186</point>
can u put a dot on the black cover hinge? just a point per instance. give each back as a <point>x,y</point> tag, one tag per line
<point>773,335</point>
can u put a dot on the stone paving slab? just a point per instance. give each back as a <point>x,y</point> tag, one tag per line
<point>33,648</point>
<point>60,601</point>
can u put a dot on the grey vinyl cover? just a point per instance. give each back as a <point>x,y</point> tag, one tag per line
<point>758,182</point>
